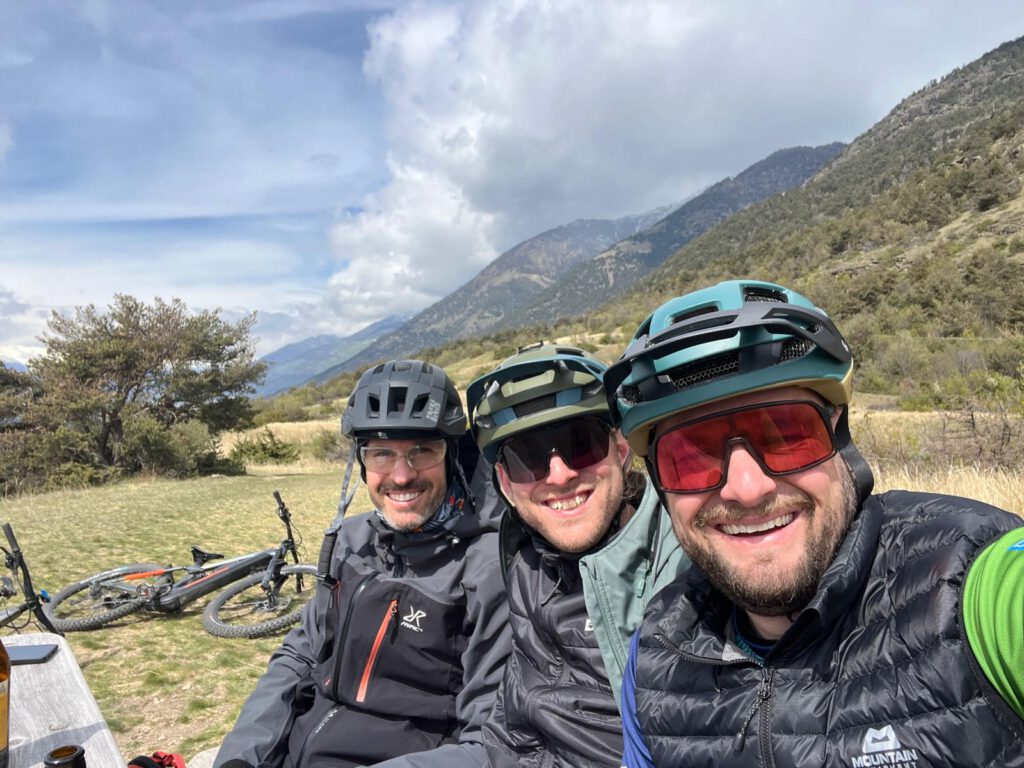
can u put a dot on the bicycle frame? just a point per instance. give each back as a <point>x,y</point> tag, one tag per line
<point>15,562</point>
<point>172,596</point>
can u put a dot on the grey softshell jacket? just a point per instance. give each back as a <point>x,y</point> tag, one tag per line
<point>457,565</point>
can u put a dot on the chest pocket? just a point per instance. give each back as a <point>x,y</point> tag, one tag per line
<point>396,649</point>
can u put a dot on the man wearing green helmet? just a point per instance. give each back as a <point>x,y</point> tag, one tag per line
<point>821,625</point>
<point>584,546</point>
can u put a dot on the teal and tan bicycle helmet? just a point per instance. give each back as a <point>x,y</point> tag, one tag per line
<point>736,337</point>
<point>540,384</point>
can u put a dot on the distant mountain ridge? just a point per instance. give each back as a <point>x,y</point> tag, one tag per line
<point>297,363</point>
<point>502,287</point>
<point>616,269</point>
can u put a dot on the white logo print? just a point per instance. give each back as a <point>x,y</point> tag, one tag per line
<point>880,740</point>
<point>412,620</point>
<point>588,627</point>
<point>882,747</point>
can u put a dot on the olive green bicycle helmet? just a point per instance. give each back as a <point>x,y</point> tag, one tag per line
<point>736,337</point>
<point>540,384</point>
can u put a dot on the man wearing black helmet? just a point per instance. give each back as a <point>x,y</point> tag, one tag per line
<point>820,625</point>
<point>403,647</point>
<point>584,546</point>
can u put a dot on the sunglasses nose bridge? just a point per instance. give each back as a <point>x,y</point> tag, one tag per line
<point>558,471</point>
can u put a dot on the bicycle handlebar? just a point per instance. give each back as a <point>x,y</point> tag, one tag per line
<point>31,598</point>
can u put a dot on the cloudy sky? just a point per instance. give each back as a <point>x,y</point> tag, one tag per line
<point>329,162</point>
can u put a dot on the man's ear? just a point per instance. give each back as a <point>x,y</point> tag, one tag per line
<point>504,484</point>
<point>837,413</point>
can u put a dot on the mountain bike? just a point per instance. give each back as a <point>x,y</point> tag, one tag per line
<point>268,597</point>
<point>20,582</point>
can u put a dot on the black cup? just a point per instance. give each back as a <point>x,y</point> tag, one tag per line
<point>70,756</point>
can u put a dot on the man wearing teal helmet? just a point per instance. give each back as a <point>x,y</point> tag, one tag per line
<point>584,546</point>
<point>821,625</point>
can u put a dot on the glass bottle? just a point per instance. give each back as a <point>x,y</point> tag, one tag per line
<point>5,705</point>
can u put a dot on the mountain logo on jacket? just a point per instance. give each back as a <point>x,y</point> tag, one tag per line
<point>1018,547</point>
<point>881,746</point>
<point>412,619</point>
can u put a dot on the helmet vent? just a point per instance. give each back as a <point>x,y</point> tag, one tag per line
<point>373,406</point>
<point>793,349</point>
<point>537,405</point>
<point>753,294</point>
<point>686,376</point>
<point>682,318</point>
<point>419,404</point>
<point>396,399</point>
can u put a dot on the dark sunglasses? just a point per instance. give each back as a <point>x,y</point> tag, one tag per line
<point>783,437</point>
<point>580,443</point>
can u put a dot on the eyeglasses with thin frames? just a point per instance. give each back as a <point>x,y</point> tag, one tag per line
<point>382,459</point>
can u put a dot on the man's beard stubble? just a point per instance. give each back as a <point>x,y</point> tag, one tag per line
<point>757,595</point>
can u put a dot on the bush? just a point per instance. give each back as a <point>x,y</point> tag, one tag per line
<point>264,448</point>
<point>328,445</point>
<point>184,450</point>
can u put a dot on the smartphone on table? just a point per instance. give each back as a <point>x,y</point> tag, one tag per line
<point>31,654</point>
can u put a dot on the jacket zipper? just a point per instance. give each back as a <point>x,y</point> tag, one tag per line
<point>372,659</point>
<point>342,636</point>
<point>764,693</point>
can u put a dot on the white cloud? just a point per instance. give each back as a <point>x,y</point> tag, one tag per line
<point>413,243</point>
<point>507,117</point>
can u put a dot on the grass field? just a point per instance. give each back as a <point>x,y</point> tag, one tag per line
<point>162,681</point>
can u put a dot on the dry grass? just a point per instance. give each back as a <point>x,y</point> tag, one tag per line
<point>1001,488</point>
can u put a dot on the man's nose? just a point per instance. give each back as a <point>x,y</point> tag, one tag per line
<point>559,472</point>
<point>402,471</point>
<point>746,483</point>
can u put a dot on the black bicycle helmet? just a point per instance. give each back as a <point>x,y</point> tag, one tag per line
<point>403,399</point>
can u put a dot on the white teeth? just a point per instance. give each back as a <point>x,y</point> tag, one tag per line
<point>777,522</point>
<point>404,496</point>
<point>563,504</point>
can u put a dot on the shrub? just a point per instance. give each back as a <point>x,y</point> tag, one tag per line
<point>264,448</point>
<point>328,445</point>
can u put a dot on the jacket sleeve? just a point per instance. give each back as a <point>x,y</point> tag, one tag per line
<point>993,606</point>
<point>260,736</point>
<point>489,640</point>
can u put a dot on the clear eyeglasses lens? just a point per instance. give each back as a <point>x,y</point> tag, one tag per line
<point>418,457</point>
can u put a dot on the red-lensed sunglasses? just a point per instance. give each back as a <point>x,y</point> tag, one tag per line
<point>784,437</point>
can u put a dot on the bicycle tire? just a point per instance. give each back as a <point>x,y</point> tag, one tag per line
<point>97,607</point>
<point>242,609</point>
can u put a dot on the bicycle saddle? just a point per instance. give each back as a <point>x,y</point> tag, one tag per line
<point>200,557</point>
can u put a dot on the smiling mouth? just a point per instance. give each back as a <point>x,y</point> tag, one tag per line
<point>735,529</point>
<point>404,496</point>
<point>569,503</point>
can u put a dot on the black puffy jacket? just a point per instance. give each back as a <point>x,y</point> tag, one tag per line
<point>404,653</point>
<point>875,670</point>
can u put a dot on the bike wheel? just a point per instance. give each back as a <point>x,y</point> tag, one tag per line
<point>98,600</point>
<point>245,610</point>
